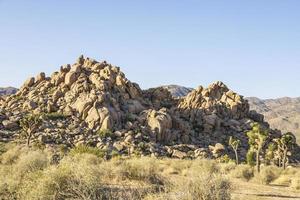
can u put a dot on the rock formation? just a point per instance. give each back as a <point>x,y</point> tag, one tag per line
<point>93,103</point>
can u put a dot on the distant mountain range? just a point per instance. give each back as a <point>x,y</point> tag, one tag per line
<point>282,113</point>
<point>7,91</point>
<point>177,90</point>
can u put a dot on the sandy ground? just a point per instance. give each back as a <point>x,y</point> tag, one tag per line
<point>253,191</point>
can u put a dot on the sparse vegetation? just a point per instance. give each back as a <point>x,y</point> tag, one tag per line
<point>268,174</point>
<point>284,145</point>
<point>83,149</point>
<point>244,172</point>
<point>104,133</point>
<point>26,173</point>
<point>54,116</point>
<point>295,182</point>
<point>234,144</point>
<point>257,139</point>
<point>30,125</point>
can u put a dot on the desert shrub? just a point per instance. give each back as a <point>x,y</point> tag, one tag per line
<point>286,176</point>
<point>63,149</point>
<point>206,186</point>
<point>83,149</point>
<point>202,181</point>
<point>216,188</point>
<point>54,116</point>
<point>12,154</point>
<point>78,177</point>
<point>14,173</point>
<point>283,179</point>
<point>268,174</point>
<point>227,167</point>
<point>243,171</point>
<point>105,133</point>
<point>129,117</point>
<point>209,166</point>
<point>224,159</point>
<point>30,162</point>
<point>140,169</point>
<point>75,177</point>
<point>177,166</point>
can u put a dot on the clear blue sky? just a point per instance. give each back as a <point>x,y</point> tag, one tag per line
<point>253,46</point>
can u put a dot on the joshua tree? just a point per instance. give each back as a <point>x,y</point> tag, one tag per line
<point>257,139</point>
<point>30,125</point>
<point>284,144</point>
<point>271,153</point>
<point>234,143</point>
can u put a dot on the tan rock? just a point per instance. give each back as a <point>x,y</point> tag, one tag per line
<point>76,68</point>
<point>31,105</point>
<point>40,77</point>
<point>70,78</point>
<point>160,123</point>
<point>29,82</point>
<point>107,123</point>
<point>10,125</point>
<point>179,154</point>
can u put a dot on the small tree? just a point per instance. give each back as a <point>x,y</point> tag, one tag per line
<point>235,143</point>
<point>30,125</point>
<point>284,144</point>
<point>257,139</point>
<point>271,154</point>
<point>251,157</point>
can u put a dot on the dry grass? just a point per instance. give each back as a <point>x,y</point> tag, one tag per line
<point>30,174</point>
<point>244,172</point>
<point>295,181</point>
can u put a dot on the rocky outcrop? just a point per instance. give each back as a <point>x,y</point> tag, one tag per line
<point>93,103</point>
<point>160,123</point>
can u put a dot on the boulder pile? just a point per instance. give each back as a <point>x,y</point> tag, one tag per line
<point>93,103</point>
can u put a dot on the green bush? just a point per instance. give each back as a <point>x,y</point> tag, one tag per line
<point>251,158</point>
<point>105,133</point>
<point>83,149</point>
<point>55,116</point>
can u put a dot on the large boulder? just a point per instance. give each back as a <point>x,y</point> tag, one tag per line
<point>10,125</point>
<point>70,78</point>
<point>160,123</point>
<point>29,82</point>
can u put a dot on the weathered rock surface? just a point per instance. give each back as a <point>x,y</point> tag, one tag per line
<point>93,103</point>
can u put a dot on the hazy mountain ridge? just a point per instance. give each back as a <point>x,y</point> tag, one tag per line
<point>177,90</point>
<point>7,91</point>
<point>282,113</point>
